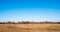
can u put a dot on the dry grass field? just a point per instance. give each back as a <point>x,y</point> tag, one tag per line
<point>29,27</point>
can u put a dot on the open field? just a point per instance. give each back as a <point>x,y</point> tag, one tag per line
<point>29,27</point>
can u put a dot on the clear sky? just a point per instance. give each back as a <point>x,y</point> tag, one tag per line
<point>30,10</point>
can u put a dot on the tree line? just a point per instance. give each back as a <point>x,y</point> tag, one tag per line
<point>28,22</point>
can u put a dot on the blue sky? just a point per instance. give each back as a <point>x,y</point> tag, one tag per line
<point>30,10</point>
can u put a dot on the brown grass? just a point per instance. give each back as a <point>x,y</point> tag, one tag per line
<point>29,27</point>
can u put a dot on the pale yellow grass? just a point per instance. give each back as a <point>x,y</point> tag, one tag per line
<point>29,27</point>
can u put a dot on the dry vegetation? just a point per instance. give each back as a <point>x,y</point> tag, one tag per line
<point>29,27</point>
